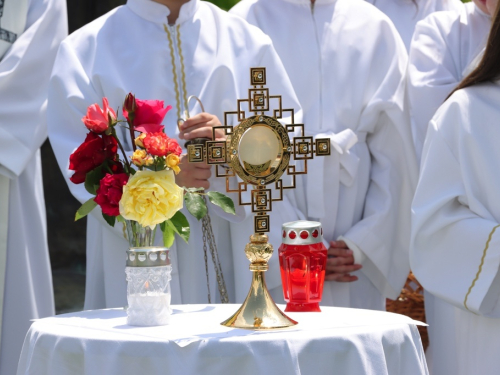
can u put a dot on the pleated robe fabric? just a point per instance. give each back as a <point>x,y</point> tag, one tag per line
<point>347,65</point>
<point>207,53</point>
<point>39,25</point>
<point>406,13</point>
<point>446,47</point>
<point>455,249</point>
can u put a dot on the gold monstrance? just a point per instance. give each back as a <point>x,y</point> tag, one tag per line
<point>258,151</point>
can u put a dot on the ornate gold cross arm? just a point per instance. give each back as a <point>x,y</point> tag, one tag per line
<point>259,149</point>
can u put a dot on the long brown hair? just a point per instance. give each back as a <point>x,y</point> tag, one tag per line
<point>489,67</point>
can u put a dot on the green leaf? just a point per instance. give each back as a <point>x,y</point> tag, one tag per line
<point>160,164</point>
<point>109,219</point>
<point>223,201</point>
<point>120,219</point>
<point>195,205</point>
<point>85,209</point>
<point>93,179</point>
<point>130,171</point>
<point>168,234</point>
<point>180,225</point>
<point>193,190</point>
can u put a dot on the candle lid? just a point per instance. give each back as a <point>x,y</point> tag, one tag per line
<point>153,256</point>
<point>302,232</point>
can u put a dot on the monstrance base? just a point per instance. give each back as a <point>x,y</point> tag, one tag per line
<point>259,312</point>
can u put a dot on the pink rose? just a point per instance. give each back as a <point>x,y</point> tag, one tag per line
<point>148,115</point>
<point>97,119</point>
<point>110,192</point>
<point>149,128</point>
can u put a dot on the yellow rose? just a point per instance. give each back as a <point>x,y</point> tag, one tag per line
<point>151,197</point>
<point>139,139</point>
<point>141,157</point>
<point>173,163</point>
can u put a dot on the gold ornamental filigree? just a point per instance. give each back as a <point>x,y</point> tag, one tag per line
<point>259,150</point>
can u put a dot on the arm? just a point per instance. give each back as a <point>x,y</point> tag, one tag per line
<point>71,91</point>
<point>432,72</point>
<point>381,237</point>
<point>455,253</point>
<point>24,72</point>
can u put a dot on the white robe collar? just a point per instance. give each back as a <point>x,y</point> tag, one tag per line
<point>477,9</point>
<point>158,13</point>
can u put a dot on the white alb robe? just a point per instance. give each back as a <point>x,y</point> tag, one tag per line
<point>31,32</point>
<point>405,13</point>
<point>444,46</point>
<point>455,249</point>
<point>362,192</point>
<point>128,50</point>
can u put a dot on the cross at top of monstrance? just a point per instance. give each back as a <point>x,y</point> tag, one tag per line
<point>258,151</point>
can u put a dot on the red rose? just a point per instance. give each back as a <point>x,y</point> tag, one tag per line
<point>173,147</point>
<point>116,167</point>
<point>156,143</point>
<point>91,153</point>
<point>97,119</point>
<point>110,192</point>
<point>148,115</point>
<point>129,107</point>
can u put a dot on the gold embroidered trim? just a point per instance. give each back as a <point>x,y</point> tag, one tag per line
<point>480,266</point>
<point>183,74</point>
<point>174,71</point>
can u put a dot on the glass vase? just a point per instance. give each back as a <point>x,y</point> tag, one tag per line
<point>139,236</point>
<point>148,271</point>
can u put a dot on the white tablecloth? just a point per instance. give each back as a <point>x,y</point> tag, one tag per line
<point>335,341</point>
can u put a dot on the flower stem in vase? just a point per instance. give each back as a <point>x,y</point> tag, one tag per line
<point>139,236</point>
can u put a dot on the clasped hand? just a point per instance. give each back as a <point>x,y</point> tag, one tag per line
<point>197,174</point>
<point>340,263</point>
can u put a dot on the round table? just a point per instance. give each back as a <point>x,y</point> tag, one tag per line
<point>335,341</point>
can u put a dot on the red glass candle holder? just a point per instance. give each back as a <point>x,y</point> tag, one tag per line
<point>302,258</point>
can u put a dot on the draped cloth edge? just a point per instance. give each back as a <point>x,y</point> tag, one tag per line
<point>4,226</point>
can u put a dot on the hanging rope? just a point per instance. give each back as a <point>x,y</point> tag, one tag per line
<point>208,238</point>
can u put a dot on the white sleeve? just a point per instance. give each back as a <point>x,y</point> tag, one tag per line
<point>24,77</point>
<point>432,74</point>
<point>455,253</point>
<point>70,93</point>
<point>383,233</point>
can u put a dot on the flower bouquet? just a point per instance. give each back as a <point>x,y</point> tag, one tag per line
<point>140,192</point>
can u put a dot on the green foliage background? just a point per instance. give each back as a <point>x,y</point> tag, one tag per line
<point>224,4</point>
